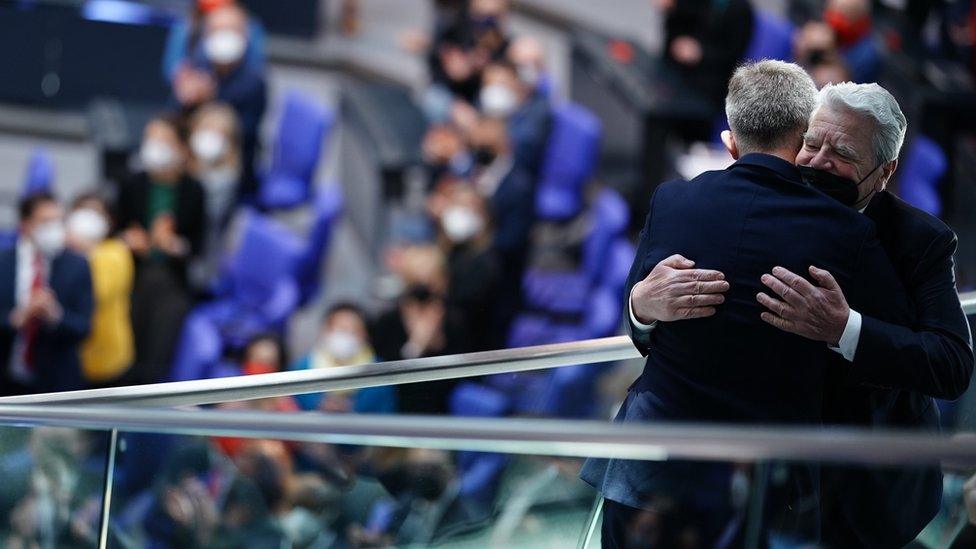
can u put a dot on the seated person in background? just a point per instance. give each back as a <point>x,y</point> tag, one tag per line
<point>445,152</point>
<point>344,341</point>
<point>108,352</point>
<point>223,75</point>
<point>509,189</point>
<point>465,230</point>
<point>160,216</point>
<point>504,94</point>
<point>45,304</point>
<point>421,325</point>
<point>215,144</point>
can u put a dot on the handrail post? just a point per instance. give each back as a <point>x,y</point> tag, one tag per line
<point>107,492</point>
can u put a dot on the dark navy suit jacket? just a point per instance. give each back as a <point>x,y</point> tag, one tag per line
<point>733,367</point>
<point>897,370</point>
<point>57,366</point>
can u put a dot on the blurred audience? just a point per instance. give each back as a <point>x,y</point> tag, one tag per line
<point>842,36</point>
<point>344,341</point>
<point>161,217</point>
<point>421,325</point>
<point>46,303</point>
<point>108,352</point>
<point>223,74</point>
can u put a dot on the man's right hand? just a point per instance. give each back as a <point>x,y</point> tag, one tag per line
<point>675,290</point>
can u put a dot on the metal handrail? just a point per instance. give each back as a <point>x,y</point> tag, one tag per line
<point>228,389</point>
<point>549,437</point>
<point>210,391</point>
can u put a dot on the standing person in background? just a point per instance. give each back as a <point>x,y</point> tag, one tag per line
<point>506,95</point>
<point>215,144</point>
<point>45,303</point>
<point>108,352</point>
<point>344,341</point>
<point>223,74</point>
<point>184,42</point>
<point>161,217</point>
<point>705,39</point>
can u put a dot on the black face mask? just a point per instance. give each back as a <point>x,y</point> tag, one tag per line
<point>839,188</point>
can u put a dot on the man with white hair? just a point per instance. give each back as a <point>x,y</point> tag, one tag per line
<point>889,371</point>
<point>722,363</point>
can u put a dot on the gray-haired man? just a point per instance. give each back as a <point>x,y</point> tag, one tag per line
<point>728,365</point>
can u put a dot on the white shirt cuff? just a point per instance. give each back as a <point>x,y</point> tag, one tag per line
<point>641,327</point>
<point>851,336</point>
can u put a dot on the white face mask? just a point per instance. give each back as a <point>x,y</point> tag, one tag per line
<point>49,238</point>
<point>341,345</point>
<point>87,224</point>
<point>498,101</point>
<point>157,156</point>
<point>225,47</point>
<point>461,224</point>
<point>208,145</point>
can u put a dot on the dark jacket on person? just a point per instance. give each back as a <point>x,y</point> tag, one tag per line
<point>897,369</point>
<point>733,367</point>
<point>189,215</point>
<point>722,27</point>
<point>56,363</point>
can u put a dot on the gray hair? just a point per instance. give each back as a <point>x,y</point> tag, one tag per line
<point>874,101</point>
<point>769,105</point>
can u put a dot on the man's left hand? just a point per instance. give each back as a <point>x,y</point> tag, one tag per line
<point>814,312</point>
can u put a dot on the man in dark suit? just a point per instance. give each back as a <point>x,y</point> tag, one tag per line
<point>45,304</point>
<point>724,364</point>
<point>888,372</point>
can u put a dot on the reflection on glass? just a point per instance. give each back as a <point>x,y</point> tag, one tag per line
<point>51,488</point>
<point>177,491</point>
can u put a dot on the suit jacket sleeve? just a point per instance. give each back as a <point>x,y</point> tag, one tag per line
<point>933,357</point>
<point>641,338</point>
<point>77,306</point>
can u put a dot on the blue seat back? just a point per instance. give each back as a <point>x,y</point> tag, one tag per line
<point>328,208</point>
<point>609,217</point>
<point>569,160</point>
<point>925,165</point>
<point>39,177</point>
<point>772,37</point>
<point>302,129</point>
<point>267,253</point>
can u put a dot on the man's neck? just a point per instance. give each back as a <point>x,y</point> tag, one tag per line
<point>783,154</point>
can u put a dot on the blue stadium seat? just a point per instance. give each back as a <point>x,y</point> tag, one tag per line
<point>772,37</point>
<point>921,175</point>
<point>328,208</point>
<point>302,130</point>
<point>570,158</point>
<point>40,174</point>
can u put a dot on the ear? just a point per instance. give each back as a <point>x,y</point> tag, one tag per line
<point>886,172</point>
<point>729,141</point>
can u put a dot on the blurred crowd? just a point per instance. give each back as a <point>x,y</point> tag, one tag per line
<point>97,293</point>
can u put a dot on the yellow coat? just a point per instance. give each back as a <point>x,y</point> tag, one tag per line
<point>109,350</point>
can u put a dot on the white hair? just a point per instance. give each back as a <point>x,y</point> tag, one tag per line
<point>874,101</point>
<point>769,105</point>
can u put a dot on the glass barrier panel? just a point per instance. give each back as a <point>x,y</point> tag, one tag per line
<point>52,484</point>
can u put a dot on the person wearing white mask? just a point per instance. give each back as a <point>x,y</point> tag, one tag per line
<point>507,94</point>
<point>474,269</point>
<point>45,304</point>
<point>108,352</point>
<point>223,74</point>
<point>215,161</point>
<point>344,341</point>
<point>161,217</point>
